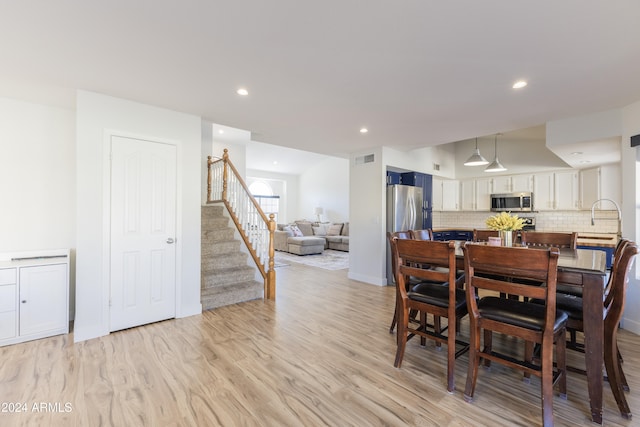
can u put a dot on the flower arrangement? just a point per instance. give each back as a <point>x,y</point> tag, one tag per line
<point>504,222</point>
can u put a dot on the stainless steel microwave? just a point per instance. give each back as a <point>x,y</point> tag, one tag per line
<point>512,202</point>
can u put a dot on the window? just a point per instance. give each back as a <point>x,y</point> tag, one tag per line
<point>263,193</point>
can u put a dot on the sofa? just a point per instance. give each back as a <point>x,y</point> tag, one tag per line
<point>307,238</point>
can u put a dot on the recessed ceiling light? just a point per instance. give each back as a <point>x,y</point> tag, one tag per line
<point>275,162</point>
<point>220,131</point>
<point>576,153</point>
<point>242,91</point>
<point>585,161</point>
<point>519,84</point>
<point>364,130</point>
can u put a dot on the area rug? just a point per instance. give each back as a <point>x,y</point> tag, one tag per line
<point>329,259</point>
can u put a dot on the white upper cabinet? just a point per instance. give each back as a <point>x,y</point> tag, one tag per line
<point>522,183</point>
<point>502,184</point>
<point>603,182</point>
<point>484,188</point>
<point>566,191</point>
<point>589,187</point>
<point>543,191</point>
<point>468,195</point>
<point>450,195</point>
<point>446,194</point>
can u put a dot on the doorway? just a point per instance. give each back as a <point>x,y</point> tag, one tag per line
<point>142,232</point>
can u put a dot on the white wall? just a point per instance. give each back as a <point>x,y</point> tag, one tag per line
<point>325,185</point>
<point>96,115</point>
<point>367,223</point>
<point>38,179</point>
<point>630,211</point>
<point>37,176</point>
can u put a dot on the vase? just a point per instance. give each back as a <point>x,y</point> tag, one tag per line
<point>507,237</point>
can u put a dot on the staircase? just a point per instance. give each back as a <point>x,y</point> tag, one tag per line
<point>226,276</point>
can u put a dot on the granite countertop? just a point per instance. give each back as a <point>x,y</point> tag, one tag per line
<point>597,239</point>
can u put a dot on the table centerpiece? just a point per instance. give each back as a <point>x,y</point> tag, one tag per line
<point>505,223</point>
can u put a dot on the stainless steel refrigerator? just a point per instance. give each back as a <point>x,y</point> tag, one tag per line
<point>404,212</point>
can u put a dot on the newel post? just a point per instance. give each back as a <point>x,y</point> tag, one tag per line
<point>270,291</point>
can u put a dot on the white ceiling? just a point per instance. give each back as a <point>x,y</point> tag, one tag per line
<point>415,72</point>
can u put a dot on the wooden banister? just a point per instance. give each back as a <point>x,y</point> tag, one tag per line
<point>226,186</point>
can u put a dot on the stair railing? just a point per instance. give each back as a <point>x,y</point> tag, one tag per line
<point>225,185</point>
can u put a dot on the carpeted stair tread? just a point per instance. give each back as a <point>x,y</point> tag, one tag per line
<point>231,294</point>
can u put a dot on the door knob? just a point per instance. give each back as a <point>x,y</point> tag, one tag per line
<point>170,240</point>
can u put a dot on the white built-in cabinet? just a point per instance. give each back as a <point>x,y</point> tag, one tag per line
<point>502,184</point>
<point>556,191</point>
<point>34,295</point>
<point>520,183</point>
<point>468,195</point>
<point>484,188</point>
<point>544,191</point>
<point>446,194</point>
<point>566,191</point>
<point>603,182</point>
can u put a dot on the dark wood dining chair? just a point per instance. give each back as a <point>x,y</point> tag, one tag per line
<point>438,295</point>
<point>425,234</point>
<point>614,301</point>
<point>480,235</point>
<point>534,323</point>
<point>549,239</point>
<point>394,268</point>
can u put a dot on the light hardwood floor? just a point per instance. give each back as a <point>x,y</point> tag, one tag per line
<point>321,354</point>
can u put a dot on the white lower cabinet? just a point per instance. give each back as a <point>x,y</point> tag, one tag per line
<point>34,298</point>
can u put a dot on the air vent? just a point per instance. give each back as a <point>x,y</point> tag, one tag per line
<point>368,158</point>
<point>436,167</point>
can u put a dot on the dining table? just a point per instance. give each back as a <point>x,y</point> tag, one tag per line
<point>586,268</point>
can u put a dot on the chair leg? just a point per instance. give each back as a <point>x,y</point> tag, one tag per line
<point>625,384</point>
<point>403,323</point>
<point>561,363</point>
<point>474,361</point>
<point>488,342</point>
<point>546,381</point>
<point>437,328</point>
<point>528,357</point>
<point>423,327</point>
<point>614,372</point>
<point>394,320</point>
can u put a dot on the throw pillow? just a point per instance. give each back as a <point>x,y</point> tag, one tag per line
<point>320,230</point>
<point>305,228</point>
<point>334,230</point>
<point>296,231</point>
<point>345,229</point>
<point>288,230</point>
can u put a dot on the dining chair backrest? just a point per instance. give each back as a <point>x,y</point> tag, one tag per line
<point>494,268</point>
<point>615,296</point>
<point>425,234</point>
<point>480,235</point>
<point>412,255</point>
<point>615,270</point>
<point>549,239</point>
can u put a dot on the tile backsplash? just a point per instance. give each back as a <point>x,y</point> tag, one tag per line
<point>563,221</point>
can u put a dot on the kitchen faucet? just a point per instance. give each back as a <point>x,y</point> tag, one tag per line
<point>619,219</point>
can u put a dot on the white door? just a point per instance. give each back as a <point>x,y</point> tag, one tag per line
<point>143,232</point>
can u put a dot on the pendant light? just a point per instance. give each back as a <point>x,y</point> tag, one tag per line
<point>476,158</point>
<point>495,166</point>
